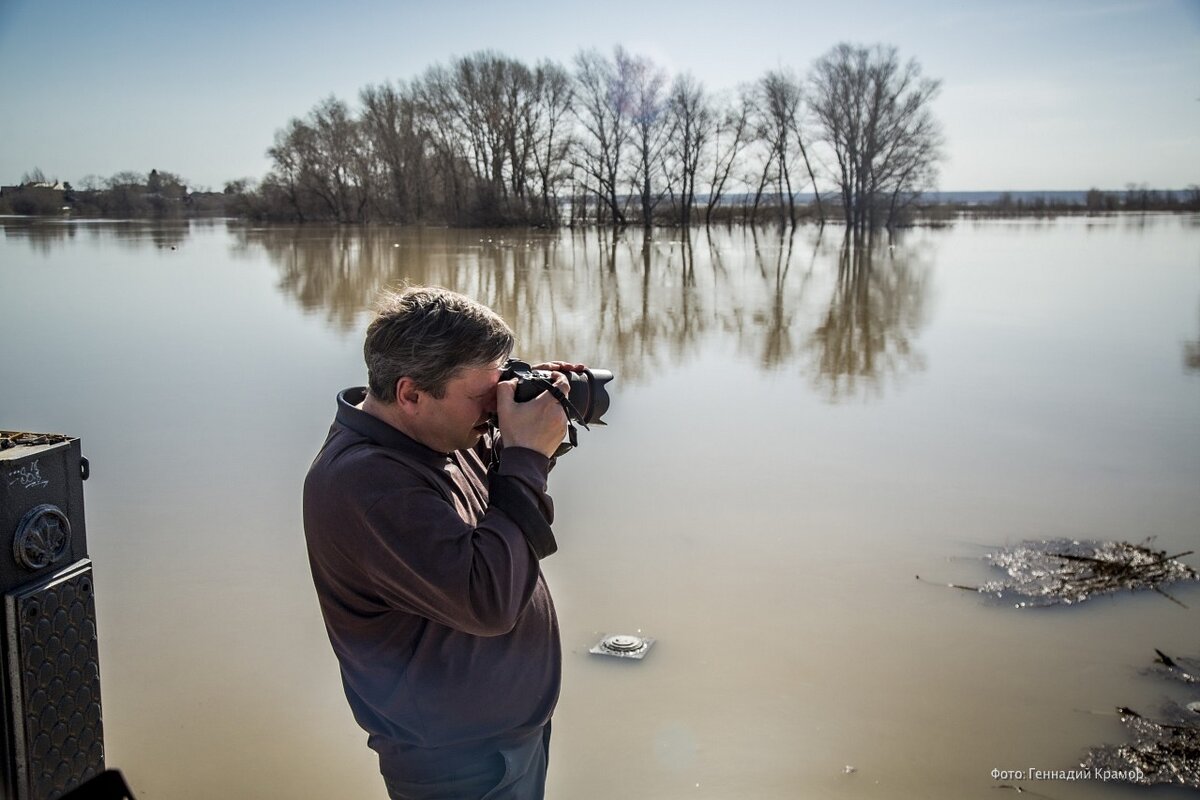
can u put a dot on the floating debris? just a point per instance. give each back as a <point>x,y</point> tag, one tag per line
<point>1179,668</point>
<point>1164,751</point>
<point>1065,571</point>
<point>1161,752</point>
<point>18,439</point>
<point>623,646</point>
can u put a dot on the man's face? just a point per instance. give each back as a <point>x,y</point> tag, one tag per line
<point>459,417</point>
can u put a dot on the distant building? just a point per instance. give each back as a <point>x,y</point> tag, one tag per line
<point>43,197</point>
<point>54,186</point>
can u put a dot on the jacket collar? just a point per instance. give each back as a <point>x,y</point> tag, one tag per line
<point>378,431</point>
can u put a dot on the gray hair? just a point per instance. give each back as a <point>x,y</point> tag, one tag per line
<point>429,334</point>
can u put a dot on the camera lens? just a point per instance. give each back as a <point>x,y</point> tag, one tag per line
<point>589,395</point>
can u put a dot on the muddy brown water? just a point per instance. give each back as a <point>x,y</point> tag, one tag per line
<point>797,430</point>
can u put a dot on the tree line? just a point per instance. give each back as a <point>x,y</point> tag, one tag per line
<point>612,139</point>
<point>160,194</point>
<point>1136,197</point>
<point>124,195</point>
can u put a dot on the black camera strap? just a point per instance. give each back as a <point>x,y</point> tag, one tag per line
<point>572,413</point>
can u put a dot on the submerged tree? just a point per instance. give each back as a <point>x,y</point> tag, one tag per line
<point>390,127</point>
<point>603,107</point>
<point>551,134</point>
<point>691,127</point>
<point>649,121</point>
<point>730,136</point>
<point>319,165</point>
<point>875,118</point>
<point>778,99</point>
<point>485,139</point>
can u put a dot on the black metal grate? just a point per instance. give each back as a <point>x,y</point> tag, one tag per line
<point>54,681</point>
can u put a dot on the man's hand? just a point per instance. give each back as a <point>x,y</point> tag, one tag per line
<point>560,366</point>
<point>538,424</point>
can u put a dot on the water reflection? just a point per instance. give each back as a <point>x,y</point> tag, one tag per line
<point>798,632</point>
<point>323,268</point>
<point>849,314</point>
<point>44,234</point>
<point>1191,354</point>
<point>875,314</point>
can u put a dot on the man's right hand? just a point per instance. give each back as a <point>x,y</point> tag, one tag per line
<point>539,424</point>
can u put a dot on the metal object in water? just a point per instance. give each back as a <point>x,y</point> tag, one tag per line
<point>623,645</point>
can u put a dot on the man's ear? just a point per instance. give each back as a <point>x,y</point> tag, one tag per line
<point>407,393</point>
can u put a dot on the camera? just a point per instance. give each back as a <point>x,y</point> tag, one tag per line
<point>585,402</point>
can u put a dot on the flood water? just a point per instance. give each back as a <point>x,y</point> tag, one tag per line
<point>797,431</point>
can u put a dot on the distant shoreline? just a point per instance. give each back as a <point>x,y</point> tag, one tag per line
<point>930,208</point>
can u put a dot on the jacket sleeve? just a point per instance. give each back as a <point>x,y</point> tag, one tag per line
<point>517,486</point>
<point>421,557</point>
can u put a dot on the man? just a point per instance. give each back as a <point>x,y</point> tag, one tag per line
<point>424,535</point>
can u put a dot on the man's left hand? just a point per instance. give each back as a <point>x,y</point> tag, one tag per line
<point>560,366</point>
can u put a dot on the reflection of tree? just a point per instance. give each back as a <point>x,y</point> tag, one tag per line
<point>765,326</point>
<point>41,235</point>
<point>337,269</point>
<point>876,310</point>
<point>623,302</point>
<point>1191,355</point>
<point>774,262</point>
<point>44,234</point>
<point>633,302</point>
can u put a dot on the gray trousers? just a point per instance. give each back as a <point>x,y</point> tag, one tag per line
<point>503,770</point>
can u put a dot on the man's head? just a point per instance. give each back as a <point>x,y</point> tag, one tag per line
<point>433,362</point>
<point>430,335</point>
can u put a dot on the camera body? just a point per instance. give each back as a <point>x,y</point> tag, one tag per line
<point>587,396</point>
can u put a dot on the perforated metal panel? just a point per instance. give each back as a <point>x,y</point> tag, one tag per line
<point>51,736</point>
<point>54,684</point>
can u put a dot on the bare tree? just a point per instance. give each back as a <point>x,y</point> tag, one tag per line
<point>486,139</point>
<point>875,118</point>
<point>439,124</point>
<point>320,165</point>
<point>334,168</point>
<point>602,109</point>
<point>285,177</point>
<point>165,193</point>
<point>778,126</point>
<point>552,135</point>
<point>495,132</point>
<point>692,126</point>
<point>482,96</point>
<point>126,194</point>
<point>731,134</point>
<point>778,107</point>
<point>34,176</point>
<point>389,121</point>
<point>649,121</point>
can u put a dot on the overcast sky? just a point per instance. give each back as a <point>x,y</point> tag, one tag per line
<point>1037,94</point>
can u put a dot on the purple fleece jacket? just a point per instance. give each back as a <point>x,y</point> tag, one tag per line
<point>432,594</point>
